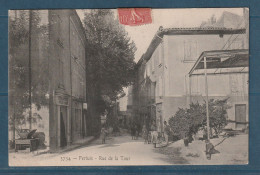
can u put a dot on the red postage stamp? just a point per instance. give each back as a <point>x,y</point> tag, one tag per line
<point>134,16</point>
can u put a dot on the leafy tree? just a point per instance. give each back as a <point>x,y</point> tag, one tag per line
<point>218,114</point>
<point>19,66</point>
<point>188,121</point>
<point>197,115</point>
<point>110,57</point>
<point>178,123</point>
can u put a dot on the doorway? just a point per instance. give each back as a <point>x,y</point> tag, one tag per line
<point>63,124</point>
<point>240,115</point>
<point>159,122</point>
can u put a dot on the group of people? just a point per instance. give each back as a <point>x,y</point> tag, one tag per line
<point>155,137</point>
<point>150,135</point>
<point>134,131</point>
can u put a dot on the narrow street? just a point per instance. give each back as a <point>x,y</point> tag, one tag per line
<point>122,150</point>
<point>184,84</point>
<point>119,150</point>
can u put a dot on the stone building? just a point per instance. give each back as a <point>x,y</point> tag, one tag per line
<point>163,83</point>
<point>59,53</point>
<point>67,77</point>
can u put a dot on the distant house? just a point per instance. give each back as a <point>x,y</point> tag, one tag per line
<point>163,83</point>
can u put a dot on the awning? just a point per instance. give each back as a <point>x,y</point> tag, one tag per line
<point>219,62</point>
<point>222,62</point>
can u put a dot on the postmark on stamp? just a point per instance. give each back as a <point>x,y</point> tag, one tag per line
<point>134,16</point>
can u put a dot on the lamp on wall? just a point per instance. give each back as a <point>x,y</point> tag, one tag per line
<point>85,106</point>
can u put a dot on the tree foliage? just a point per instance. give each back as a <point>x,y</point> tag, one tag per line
<point>19,35</point>
<point>187,121</point>
<point>109,55</point>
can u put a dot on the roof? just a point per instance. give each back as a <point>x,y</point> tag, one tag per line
<point>222,61</point>
<point>185,31</point>
<point>74,12</point>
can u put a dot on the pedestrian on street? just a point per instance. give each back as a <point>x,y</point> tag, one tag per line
<point>136,131</point>
<point>166,132</point>
<point>154,134</point>
<point>133,131</point>
<point>145,134</point>
<point>149,137</point>
<point>210,149</point>
<point>103,135</point>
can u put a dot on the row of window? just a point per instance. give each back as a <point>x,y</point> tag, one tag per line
<point>78,55</point>
<point>152,63</point>
<point>77,44</point>
<point>78,81</point>
<point>190,52</point>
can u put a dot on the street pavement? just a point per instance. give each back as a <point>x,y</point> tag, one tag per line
<point>122,150</point>
<point>119,150</point>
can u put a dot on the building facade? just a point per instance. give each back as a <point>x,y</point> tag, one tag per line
<point>67,80</point>
<point>58,72</point>
<point>162,82</point>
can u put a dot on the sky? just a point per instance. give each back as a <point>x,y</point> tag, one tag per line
<point>167,18</point>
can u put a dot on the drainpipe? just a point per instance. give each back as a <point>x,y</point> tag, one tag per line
<point>70,115</point>
<point>190,88</point>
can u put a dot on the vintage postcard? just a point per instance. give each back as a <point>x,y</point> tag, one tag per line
<point>128,86</point>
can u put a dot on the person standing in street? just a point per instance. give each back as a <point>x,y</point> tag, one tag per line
<point>133,131</point>
<point>136,131</point>
<point>154,134</point>
<point>166,132</point>
<point>103,135</point>
<point>145,134</point>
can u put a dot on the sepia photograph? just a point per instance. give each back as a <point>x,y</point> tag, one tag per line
<point>128,87</point>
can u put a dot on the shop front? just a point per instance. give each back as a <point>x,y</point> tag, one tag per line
<point>77,120</point>
<point>62,120</point>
